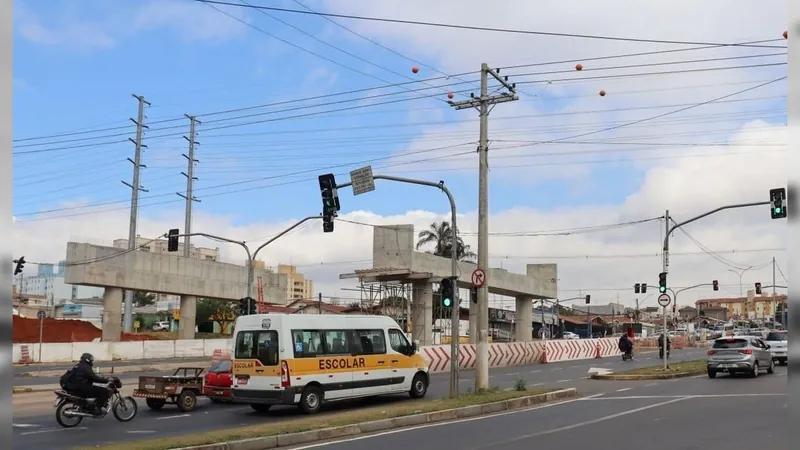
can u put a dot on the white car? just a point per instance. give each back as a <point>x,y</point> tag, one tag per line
<point>161,326</point>
<point>778,342</point>
<point>570,335</point>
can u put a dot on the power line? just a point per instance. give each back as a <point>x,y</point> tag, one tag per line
<point>638,255</point>
<point>489,29</point>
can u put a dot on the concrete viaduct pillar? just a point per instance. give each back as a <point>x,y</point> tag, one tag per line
<point>112,314</point>
<point>524,328</point>
<point>422,313</point>
<point>188,320</point>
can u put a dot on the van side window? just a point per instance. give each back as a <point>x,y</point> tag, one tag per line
<point>399,342</point>
<point>257,344</point>
<point>373,342</point>
<point>336,342</point>
<point>307,343</point>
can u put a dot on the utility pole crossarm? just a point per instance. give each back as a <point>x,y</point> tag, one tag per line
<point>775,286</point>
<point>502,80</point>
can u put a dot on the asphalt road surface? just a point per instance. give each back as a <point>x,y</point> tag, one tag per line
<point>37,427</point>
<point>690,413</point>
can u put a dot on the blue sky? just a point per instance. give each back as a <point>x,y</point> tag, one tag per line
<point>64,86</point>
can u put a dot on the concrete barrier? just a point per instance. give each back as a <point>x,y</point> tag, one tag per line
<point>115,351</point>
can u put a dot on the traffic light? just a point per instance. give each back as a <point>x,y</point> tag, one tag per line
<point>636,288</point>
<point>447,292</point>
<point>758,288</point>
<point>172,240</point>
<point>473,295</point>
<point>247,306</point>
<point>777,203</point>
<point>330,201</point>
<point>588,299</point>
<point>715,283</point>
<point>20,264</point>
<point>662,282</point>
<point>644,288</point>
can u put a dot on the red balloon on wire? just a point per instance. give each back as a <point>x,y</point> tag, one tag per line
<point>579,67</point>
<point>415,69</point>
<point>602,93</point>
<point>786,35</point>
<point>450,95</point>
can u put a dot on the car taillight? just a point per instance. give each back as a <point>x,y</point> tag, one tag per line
<point>746,352</point>
<point>285,382</point>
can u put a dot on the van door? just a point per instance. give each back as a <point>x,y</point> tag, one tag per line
<point>402,366</point>
<point>256,363</point>
<point>372,377</point>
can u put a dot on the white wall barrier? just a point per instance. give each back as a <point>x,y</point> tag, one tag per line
<point>115,351</point>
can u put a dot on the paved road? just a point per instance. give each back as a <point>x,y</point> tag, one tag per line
<point>691,413</point>
<point>20,370</point>
<point>38,428</point>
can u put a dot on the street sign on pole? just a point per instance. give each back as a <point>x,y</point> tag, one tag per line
<point>41,315</point>
<point>478,278</point>
<point>664,300</point>
<point>362,180</point>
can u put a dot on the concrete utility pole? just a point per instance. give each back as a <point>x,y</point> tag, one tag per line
<point>135,188</point>
<point>774,292</point>
<point>665,265</point>
<point>481,318</point>
<point>190,179</point>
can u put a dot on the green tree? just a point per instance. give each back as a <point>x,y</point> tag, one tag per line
<point>222,312</point>
<point>142,299</point>
<point>439,235</point>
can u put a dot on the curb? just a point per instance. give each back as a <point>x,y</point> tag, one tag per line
<point>305,437</point>
<point>655,376</point>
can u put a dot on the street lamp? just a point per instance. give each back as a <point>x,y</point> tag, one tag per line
<point>740,274</point>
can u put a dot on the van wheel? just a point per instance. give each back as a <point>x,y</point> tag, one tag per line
<point>419,386</point>
<point>311,400</point>
<point>260,408</point>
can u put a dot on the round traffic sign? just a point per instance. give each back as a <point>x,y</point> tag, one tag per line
<point>478,278</point>
<point>664,300</point>
<point>41,315</point>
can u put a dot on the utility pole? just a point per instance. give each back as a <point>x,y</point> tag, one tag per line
<point>135,188</point>
<point>190,179</point>
<point>665,265</point>
<point>637,310</point>
<point>774,292</point>
<point>481,318</point>
<point>319,302</point>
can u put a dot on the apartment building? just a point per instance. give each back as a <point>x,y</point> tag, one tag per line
<point>298,286</point>
<point>751,307</point>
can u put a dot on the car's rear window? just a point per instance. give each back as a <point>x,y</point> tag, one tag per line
<point>730,343</point>
<point>777,336</point>
<point>221,366</point>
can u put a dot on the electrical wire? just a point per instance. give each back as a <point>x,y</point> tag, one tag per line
<point>638,255</point>
<point>490,29</point>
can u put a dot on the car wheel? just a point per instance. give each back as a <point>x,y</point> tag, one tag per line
<point>755,371</point>
<point>419,386</point>
<point>712,374</point>
<point>771,368</point>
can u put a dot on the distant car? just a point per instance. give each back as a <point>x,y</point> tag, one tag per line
<point>161,326</point>
<point>778,342</point>
<point>218,381</point>
<point>739,354</point>
<point>570,335</point>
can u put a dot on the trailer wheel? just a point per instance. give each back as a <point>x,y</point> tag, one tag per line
<point>155,403</point>
<point>187,401</point>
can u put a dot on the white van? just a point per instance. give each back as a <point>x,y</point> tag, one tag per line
<point>309,359</point>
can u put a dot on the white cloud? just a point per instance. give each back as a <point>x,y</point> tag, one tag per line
<point>193,21</point>
<point>672,177</point>
<point>75,33</point>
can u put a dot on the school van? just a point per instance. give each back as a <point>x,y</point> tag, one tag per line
<point>307,360</point>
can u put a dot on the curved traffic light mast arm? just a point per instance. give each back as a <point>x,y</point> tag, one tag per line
<point>455,316</point>
<point>677,225</point>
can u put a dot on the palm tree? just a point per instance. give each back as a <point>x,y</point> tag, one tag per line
<point>440,235</point>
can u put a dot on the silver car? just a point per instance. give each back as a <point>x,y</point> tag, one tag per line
<point>739,354</point>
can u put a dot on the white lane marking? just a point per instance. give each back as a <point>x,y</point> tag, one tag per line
<point>563,381</point>
<point>439,424</point>
<point>141,431</point>
<point>52,430</point>
<point>512,374</point>
<point>557,368</point>
<point>534,371</point>
<point>174,417</point>
<point>585,423</point>
<point>537,384</point>
<point>694,397</point>
<point>699,376</point>
<point>651,384</point>
<point>573,367</point>
<point>25,425</point>
<point>624,389</point>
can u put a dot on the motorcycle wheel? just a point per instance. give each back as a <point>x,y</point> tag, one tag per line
<point>66,421</point>
<point>125,409</point>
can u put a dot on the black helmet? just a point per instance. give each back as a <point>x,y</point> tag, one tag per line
<point>87,358</point>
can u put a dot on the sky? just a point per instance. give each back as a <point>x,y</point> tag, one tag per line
<point>282,98</point>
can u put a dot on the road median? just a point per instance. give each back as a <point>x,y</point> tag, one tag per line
<point>674,370</point>
<point>318,428</point>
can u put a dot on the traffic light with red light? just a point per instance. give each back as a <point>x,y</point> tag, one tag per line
<point>758,288</point>
<point>715,283</point>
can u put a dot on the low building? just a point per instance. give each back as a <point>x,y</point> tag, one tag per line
<point>750,307</point>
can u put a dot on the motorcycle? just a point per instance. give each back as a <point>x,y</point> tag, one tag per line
<point>661,353</point>
<point>627,356</point>
<point>71,409</point>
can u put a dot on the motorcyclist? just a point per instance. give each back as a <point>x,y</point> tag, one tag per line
<point>82,383</point>
<point>625,345</point>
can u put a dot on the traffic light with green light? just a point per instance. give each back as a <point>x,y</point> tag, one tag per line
<point>330,201</point>
<point>662,282</point>
<point>447,292</point>
<point>777,203</point>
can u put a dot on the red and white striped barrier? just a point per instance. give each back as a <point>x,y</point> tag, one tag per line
<point>575,349</point>
<point>500,355</point>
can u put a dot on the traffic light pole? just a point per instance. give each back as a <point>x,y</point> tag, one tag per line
<point>456,310</point>
<point>251,256</point>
